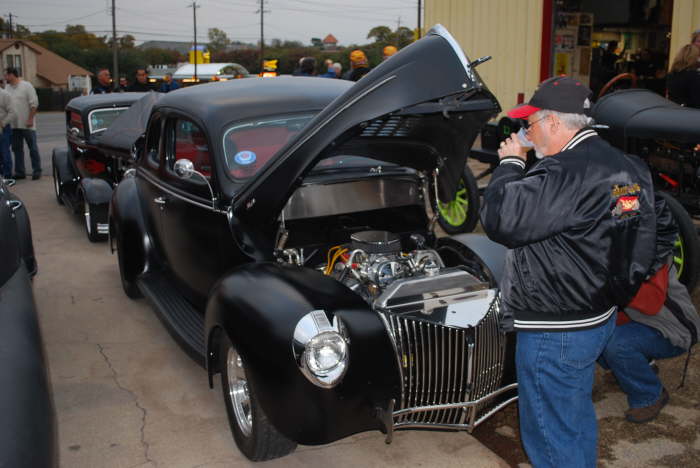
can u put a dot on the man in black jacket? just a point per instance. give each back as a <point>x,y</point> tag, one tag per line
<point>581,231</point>
<point>141,84</point>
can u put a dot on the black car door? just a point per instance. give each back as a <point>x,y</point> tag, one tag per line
<point>193,229</point>
<point>148,180</point>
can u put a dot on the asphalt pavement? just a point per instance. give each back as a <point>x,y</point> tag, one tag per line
<point>127,396</point>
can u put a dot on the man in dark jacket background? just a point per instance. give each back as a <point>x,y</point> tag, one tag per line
<point>581,231</point>
<point>141,84</point>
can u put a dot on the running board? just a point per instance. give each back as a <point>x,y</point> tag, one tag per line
<point>183,322</point>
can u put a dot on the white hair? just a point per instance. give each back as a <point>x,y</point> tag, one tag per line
<point>570,121</point>
<point>338,66</point>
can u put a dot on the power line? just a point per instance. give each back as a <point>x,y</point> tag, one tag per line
<point>65,21</point>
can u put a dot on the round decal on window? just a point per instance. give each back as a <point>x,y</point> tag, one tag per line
<point>244,158</point>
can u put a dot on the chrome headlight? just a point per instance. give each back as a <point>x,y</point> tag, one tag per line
<point>321,349</point>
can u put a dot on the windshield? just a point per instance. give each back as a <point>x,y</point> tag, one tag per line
<point>248,146</point>
<point>100,119</point>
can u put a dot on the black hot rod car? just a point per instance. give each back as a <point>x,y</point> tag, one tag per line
<point>281,230</point>
<point>83,175</point>
<point>28,429</point>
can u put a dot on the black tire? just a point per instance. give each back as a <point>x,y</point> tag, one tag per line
<point>461,214</point>
<point>57,185</point>
<point>686,254</point>
<point>125,273</point>
<point>260,440</point>
<point>90,221</point>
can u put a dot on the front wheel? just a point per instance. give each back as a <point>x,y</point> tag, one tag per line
<point>129,286</point>
<point>462,213</point>
<point>686,252</point>
<point>255,437</point>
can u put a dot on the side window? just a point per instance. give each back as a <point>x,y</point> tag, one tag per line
<point>191,143</point>
<point>153,142</point>
<point>75,123</point>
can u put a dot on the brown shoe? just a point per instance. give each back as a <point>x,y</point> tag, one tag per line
<point>647,413</point>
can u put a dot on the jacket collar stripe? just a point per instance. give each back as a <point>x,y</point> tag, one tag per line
<point>578,138</point>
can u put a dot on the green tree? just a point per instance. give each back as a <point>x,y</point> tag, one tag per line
<point>127,41</point>
<point>218,40</point>
<point>380,34</point>
<point>403,36</point>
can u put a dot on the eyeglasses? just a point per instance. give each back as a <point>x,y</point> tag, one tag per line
<point>528,125</point>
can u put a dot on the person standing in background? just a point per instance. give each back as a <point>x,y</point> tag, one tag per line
<point>684,80</point>
<point>25,103</point>
<point>168,84</point>
<point>104,82</point>
<point>141,85</point>
<point>7,116</point>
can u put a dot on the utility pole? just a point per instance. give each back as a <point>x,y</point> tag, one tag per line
<point>115,51</point>
<point>262,12</point>
<point>194,7</point>
<point>11,32</point>
<point>419,18</point>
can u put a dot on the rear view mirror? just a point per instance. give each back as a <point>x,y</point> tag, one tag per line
<point>184,168</point>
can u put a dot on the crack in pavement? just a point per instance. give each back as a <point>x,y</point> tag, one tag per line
<point>144,412</point>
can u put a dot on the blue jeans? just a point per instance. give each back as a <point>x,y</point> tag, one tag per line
<point>627,354</point>
<point>19,136</point>
<point>555,380</point>
<point>5,155</point>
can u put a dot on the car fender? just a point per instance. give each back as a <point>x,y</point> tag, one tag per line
<point>96,191</point>
<point>258,306</point>
<point>24,231</point>
<point>28,429</point>
<point>487,252</point>
<point>128,223</point>
<point>66,174</point>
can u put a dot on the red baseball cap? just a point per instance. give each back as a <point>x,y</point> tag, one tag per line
<point>561,94</point>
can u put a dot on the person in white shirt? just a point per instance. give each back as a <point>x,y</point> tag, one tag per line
<point>25,103</point>
<point>7,115</point>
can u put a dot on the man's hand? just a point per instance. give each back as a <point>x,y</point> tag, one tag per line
<point>511,147</point>
<point>30,123</point>
<point>697,147</point>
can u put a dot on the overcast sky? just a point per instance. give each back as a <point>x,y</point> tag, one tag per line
<point>348,20</point>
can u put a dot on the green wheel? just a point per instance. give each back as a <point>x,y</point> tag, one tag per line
<point>462,213</point>
<point>686,251</point>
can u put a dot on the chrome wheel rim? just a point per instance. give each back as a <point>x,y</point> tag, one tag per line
<point>454,213</point>
<point>238,392</point>
<point>86,209</point>
<point>678,256</point>
<point>56,183</point>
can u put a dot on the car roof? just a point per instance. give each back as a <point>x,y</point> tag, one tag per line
<point>95,101</point>
<point>218,103</point>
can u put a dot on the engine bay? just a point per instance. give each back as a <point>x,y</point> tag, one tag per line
<point>403,277</point>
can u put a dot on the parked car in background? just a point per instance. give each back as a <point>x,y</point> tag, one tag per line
<point>281,231</point>
<point>28,429</point>
<point>83,176</point>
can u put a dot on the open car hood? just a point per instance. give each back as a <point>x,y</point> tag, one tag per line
<point>422,108</point>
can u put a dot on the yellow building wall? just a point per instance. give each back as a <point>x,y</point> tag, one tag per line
<point>508,30</point>
<point>686,19</point>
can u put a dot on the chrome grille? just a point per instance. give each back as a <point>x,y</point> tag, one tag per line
<point>447,366</point>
